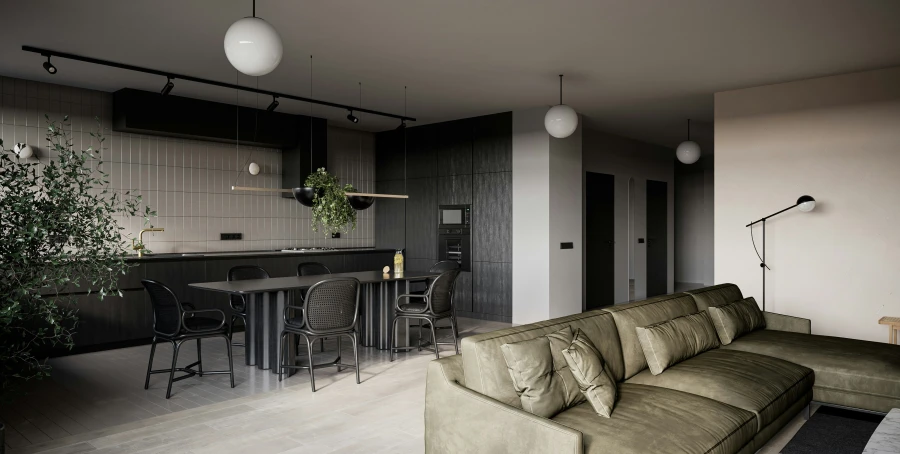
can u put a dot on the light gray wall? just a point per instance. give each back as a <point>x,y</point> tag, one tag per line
<point>694,239</point>
<point>566,224</point>
<point>627,158</point>
<point>836,139</point>
<point>188,182</point>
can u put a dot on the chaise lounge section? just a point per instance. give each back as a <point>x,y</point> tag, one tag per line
<point>727,400</point>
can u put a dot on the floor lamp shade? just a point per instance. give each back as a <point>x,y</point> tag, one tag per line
<point>806,203</point>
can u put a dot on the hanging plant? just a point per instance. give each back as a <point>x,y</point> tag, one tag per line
<point>331,211</point>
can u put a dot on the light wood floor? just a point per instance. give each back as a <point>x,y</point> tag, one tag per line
<point>96,403</point>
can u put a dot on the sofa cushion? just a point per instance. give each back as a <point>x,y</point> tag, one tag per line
<point>849,372</point>
<point>762,385</point>
<point>485,369</point>
<point>735,319</point>
<point>642,313</point>
<point>649,419</point>
<point>671,342</point>
<point>593,376</point>
<point>541,374</point>
<point>716,295</point>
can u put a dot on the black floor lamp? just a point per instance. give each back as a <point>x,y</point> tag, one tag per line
<point>806,204</point>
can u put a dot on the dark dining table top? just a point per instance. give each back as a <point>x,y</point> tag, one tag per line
<point>276,284</point>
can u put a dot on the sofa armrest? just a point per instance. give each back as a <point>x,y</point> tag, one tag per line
<point>780,322</point>
<point>459,420</point>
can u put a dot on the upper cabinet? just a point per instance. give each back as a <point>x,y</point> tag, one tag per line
<point>492,143</point>
<point>420,151</point>
<point>389,154</point>
<point>454,147</point>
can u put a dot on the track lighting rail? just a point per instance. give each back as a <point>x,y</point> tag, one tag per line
<point>52,53</point>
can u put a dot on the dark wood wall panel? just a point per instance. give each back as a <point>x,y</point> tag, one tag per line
<point>492,217</point>
<point>390,216</point>
<point>454,147</point>
<point>492,143</point>
<point>492,288</point>
<point>389,156</point>
<point>462,296</point>
<point>421,219</point>
<point>455,190</point>
<point>421,159</point>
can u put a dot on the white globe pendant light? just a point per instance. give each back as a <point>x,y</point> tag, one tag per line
<point>561,120</point>
<point>688,152</point>
<point>253,46</point>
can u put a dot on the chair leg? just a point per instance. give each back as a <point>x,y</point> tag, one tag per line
<point>177,346</point>
<point>434,344</point>
<point>200,358</point>
<point>339,352</point>
<point>322,344</point>
<point>393,337</point>
<point>312,374</point>
<point>355,354</point>
<point>454,332</point>
<point>419,340</point>
<point>230,360</point>
<point>150,364</point>
<point>283,355</point>
<point>455,327</point>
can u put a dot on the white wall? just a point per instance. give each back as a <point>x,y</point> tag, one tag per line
<point>547,210</point>
<point>838,140</point>
<point>566,212</point>
<point>531,217</point>
<point>625,159</point>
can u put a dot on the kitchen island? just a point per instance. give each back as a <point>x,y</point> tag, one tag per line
<point>115,322</point>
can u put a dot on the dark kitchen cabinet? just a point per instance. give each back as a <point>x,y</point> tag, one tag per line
<point>492,288</point>
<point>492,143</point>
<point>421,160</point>
<point>492,217</point>
<point>454,147</point>
<point>462,292</point>
<point>455,190</point>
<point>389,149</point>
<point>390,216</point>
<point>421,219</point>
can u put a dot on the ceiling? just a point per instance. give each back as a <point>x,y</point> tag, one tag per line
<point>637,68</point>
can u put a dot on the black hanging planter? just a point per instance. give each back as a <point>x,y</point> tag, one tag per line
<point>360,202</point>
<point>306,195</point>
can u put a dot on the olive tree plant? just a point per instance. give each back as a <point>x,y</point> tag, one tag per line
<point>58,236</point>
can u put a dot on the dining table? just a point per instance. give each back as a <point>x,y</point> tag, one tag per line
<point>267,298</point>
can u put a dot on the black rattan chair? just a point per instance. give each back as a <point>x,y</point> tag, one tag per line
<point>439,267</point>
<point>174,324</point>
<point>238,302</point>
<point>312,269</point>
<point>330,309</point>
<point>437,305</point>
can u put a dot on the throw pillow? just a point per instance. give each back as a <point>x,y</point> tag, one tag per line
<point>736,319</point>
<point>591,373</point>
<point>671,342</point>
<point>541,375</point>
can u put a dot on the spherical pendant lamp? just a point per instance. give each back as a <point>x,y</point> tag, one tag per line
<point>688,152</point>
<point>561,120</point>
<point>253,46</point>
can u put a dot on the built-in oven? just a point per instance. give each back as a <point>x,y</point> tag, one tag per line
<point>455,245</point>
<point>454,216</point>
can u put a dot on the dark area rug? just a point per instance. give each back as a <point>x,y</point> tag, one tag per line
<point>834,431</point>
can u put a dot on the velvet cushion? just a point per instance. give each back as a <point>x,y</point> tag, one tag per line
<point>591,373</point>
<point>541,375</point>
<point>668,343</point>
<point>736,319</point>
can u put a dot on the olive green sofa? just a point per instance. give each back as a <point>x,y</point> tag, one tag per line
<point>731,399</point>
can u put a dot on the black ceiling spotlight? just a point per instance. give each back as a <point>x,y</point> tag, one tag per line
<point>49,66</point>
<point>402,125</point>
<point>168,87</point>
<point>273,105</point>
<point>352,118</point>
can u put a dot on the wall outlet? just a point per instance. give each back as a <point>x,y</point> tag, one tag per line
<point>336,235</point>
<point>566,245</point>
<point>231,236</point>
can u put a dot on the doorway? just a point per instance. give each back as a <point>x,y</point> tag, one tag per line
<point>657,238</point>
<point>599,240</point>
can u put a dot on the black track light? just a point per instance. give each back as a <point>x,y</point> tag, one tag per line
<point>168,87</point>
<point>273,105</point>
<point>402,125</point>
<point>352,118</point>
<point>49,66</point>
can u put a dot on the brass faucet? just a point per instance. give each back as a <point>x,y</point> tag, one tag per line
<point>139,247</point>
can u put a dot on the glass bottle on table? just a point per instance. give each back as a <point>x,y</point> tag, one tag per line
<point>398,262</point>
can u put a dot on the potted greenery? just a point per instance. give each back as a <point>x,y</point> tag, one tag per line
<point>331,211</point>
<point>57,232</point>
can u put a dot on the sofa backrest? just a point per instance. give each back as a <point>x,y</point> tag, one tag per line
<point>642,313</point>
<point>716,295</point>
<point>485,368</point>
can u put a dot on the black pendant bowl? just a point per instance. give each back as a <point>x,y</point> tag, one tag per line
<point>359,202</point>
<point>305,195</point>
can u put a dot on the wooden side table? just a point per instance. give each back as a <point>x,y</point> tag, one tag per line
<point>893,324</point>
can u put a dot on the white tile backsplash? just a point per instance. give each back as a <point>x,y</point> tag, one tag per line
<point>188,182</point>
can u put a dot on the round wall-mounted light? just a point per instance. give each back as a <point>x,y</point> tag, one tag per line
<point>806,203</point>
<point>561,120</point>
<point>253,46</point>
<point>253,168</point>
<point>23,151</point>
